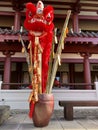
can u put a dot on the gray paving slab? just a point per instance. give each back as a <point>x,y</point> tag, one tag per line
<point>83,120</point>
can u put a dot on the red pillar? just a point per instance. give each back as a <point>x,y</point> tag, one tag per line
<point>17,21</point>
<point>87,74</point>
<point>75,22</point>
<point>7,70</point>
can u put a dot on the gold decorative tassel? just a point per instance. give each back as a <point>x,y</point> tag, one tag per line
<point>30,96</point>
<point>23,50</point>
<point>29,45</point>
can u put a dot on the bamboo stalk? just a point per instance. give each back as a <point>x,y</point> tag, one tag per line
<point>50,67</point>
<point>54,41</point>
<point>27,55</point>
<point>59,50</point>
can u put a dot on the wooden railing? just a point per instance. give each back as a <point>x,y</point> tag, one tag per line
<point>15,85</point>
<point>64,85</point>
<point>75,85</point>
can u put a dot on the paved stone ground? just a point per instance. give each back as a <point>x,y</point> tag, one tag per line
<point>84,119</point>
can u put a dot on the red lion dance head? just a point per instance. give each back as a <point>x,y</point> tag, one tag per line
<point>39,19</point>
<point>39,23</point>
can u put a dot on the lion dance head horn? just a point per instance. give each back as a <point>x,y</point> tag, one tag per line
<point>40,7</point>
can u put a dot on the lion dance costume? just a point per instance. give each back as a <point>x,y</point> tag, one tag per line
<point>39,23</point>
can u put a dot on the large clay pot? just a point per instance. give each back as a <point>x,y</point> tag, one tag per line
<point>43,110</point>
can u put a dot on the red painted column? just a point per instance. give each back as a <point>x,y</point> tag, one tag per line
<point>75,22</point>
<point>87,74</point>
<point>7,70</point>
<point>17,21</point>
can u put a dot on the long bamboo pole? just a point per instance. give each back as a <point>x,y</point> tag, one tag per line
<point>50,67</point>
<point>59,50</point>
<point>27,56</point>
<point>54,41</point>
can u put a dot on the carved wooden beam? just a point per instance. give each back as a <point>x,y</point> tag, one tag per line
<point>93,40</point>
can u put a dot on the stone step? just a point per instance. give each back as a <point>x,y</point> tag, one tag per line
<point>4,113</point>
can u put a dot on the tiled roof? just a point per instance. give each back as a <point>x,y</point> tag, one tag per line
<point>83,34</point>
<point>70,34</point>
<point>82,37</point>
<point>12,32</point>
<point>82,41</point>
<point>6,34</point>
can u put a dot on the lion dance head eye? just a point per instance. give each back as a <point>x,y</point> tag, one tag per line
<point>30,14</point>
<point>48,14</point>
<point>30,10</point>
<point>49,17</point>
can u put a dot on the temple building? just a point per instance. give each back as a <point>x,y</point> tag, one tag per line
<point>79,59</point>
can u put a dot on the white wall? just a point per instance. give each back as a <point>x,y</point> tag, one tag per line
<point>18,99</point>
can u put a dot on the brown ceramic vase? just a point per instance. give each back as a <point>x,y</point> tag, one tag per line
<point>43,110</point>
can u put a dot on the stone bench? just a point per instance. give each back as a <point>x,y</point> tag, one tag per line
<point>68,107</point>
<point>4,113</point>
